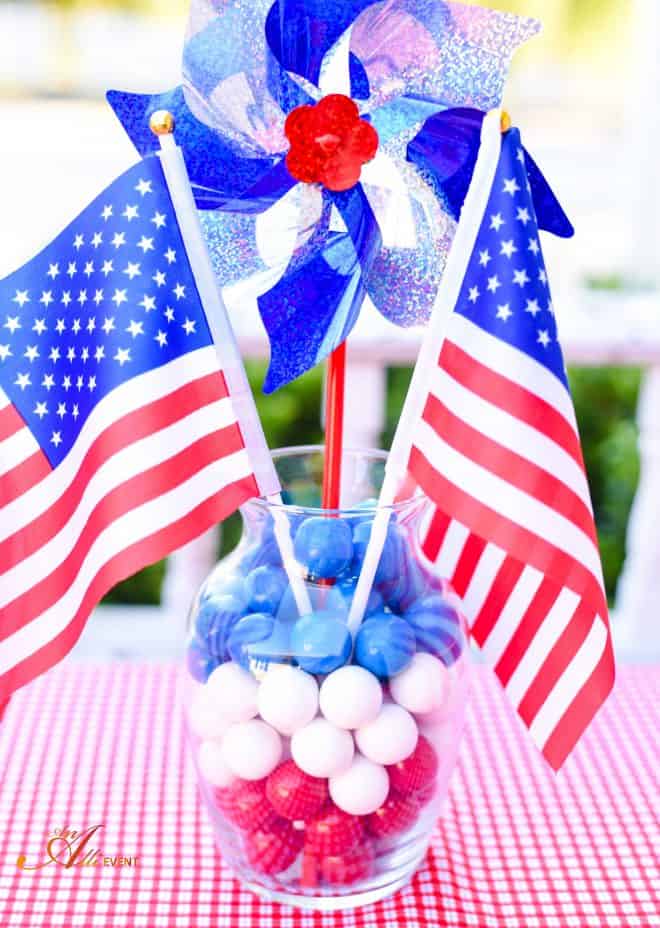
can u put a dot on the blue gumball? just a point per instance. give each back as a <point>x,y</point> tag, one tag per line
<point>264,587</point>
<point>324,546</point>
<point>392,555</point>
<point>200,662</point>
<point>385,645</point>
<point>258,639</point>
<point>410,584</point>
<point>320,643</point>
<point>216,616</point>
<point>437,628</point>
<point>374,603</point>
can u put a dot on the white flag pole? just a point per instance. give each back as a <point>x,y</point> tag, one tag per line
<point>231,362</point>
<point>460,253</point>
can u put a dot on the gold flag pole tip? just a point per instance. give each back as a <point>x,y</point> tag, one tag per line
<point>161,122</point>
<point>505,122</point>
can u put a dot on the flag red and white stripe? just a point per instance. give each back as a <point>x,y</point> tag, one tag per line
<point>127,425</point>
<point>515,535</point>
<point>495,445</point>
<point>160,459</point>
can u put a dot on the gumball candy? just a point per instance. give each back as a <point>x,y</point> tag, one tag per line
<point>333,832</point>
<point>246,805</point>
<point>233,693</point>
<point>384,644</point>
<point>426,793</point>
<point>397,814</point>
<point>288,698</point>
<point>294,794</point>
<point>320,643</point>
<point>204,715</point>
<point>350,697</point>
<point>362,788</point>
<point>423,686</point>
<point>212,765</point>
<point>375,602</point>
<point>350,867</point>
<point>409,585</point>
<point>321,749</point>
<point>251,749</point>
<point>274,850</point>
<point>216,616</point>
<point>416,771</point>
<point>324,546</point>
<point>222,584</point>
<point>391,556</point>
<point>258,639</point>
<point>437,628</point>
<point>391,736</point>
<point>199,661</point>
<point>264,587</point>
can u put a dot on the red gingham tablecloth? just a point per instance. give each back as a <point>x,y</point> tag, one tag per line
<point>103,744</point>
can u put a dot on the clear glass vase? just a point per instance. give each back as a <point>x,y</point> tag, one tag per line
<point>324,761</point>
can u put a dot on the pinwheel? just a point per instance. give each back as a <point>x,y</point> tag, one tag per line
<point>329,144</point>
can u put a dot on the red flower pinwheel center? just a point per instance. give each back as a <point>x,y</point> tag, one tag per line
<point>329,142</point>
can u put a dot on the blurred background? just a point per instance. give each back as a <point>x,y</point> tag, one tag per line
<point>584,92</point>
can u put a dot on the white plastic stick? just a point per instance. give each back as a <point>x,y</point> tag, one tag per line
<point>230,358</point>
<point>460,253</point>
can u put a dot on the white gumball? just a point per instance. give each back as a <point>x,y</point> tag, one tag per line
<point>391,737</point>
<point>321,749</point>
<point>351,697</point>
<point>212,765</point>
<point>251,749</point>
<point>203,716</point>
<point>288,698</point>
<point>424,686</point>
<point>234,692</point>
<point>362,788</point>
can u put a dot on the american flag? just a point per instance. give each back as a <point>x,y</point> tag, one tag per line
<point>497,449</point>
<point>119,440</point>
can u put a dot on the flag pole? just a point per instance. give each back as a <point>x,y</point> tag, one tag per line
<point>396,467</point>
<point>161,124</point>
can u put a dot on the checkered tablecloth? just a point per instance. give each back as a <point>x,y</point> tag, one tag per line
<point>103,744</point>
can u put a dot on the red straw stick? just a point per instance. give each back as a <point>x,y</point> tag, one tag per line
<point>334,427</point>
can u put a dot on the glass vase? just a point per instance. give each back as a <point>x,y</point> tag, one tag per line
<point>324,759</point>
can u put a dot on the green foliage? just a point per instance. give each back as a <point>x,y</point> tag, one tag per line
<point>605,402</point>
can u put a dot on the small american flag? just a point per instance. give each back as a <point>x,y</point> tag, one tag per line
<point>497,450</point>
<point>119,440</point>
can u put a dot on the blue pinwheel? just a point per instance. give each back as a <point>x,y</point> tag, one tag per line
<point>422,73</point>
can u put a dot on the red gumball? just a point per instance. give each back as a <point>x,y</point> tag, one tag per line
<point>246,805</point>
<point>346,869</point>
<point>417,770</point>
<point>426,793</point>
<point>294,794</point>
<point>397,814</point>
<point>273,851</point>
<point>333,832</point>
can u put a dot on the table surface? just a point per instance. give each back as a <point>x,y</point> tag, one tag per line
<point>103,744</point>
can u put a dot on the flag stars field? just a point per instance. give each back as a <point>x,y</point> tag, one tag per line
<point>148,243</point>
<point>506,287</point>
